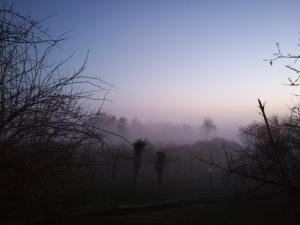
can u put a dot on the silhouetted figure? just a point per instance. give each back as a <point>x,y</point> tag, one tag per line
<point>159,166</point>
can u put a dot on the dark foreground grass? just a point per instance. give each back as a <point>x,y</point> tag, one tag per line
<point>203,214</point>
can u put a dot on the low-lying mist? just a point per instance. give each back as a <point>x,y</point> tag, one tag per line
<point>162,133</point>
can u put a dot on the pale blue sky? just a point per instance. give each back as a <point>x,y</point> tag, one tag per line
<point>180,60</point>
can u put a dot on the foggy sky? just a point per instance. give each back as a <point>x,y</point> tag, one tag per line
<point>179,61</point>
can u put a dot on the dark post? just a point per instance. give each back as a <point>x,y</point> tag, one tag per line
<point>159,166</point>
<point>210,182</point>
<point>138,146</point>
<point>210,170</point>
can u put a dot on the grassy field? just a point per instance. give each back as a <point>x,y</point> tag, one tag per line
<point>202,214</point>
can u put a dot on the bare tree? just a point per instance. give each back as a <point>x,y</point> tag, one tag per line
<point>208,125</point>
<point>44,124</point>
<point>138,147</point>
<point>269,153</point>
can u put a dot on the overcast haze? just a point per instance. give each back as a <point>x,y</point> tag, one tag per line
<point>179,61</point>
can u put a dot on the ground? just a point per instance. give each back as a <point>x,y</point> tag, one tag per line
<point>223,213</point>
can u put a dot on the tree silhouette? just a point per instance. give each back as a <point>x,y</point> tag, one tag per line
<point>208,125</point>
<point>138,147</point>
<point>43,122</point>
<point>269,153</point>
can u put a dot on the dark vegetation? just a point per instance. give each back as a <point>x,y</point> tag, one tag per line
<point>58,158</point>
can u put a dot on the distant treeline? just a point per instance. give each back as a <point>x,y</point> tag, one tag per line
<point>158,133</point>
